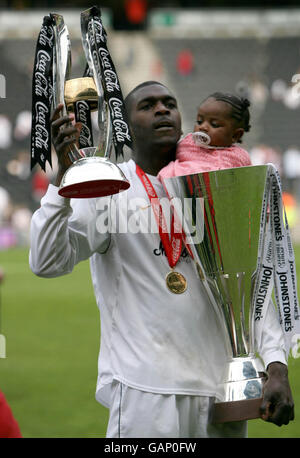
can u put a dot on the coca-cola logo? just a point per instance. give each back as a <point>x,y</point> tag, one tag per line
<point>115,105</point>
<point>41,137</point>
<point>41,112</point>
<point>111,80</point>
<point>85,137</point>
<point>96,32</point>
<point>104,54</point>
<point>120,126</point>
<point>100,33</point>
<point>41,132</point>
<point>110,76</point>
<point>82,109</point>
<point>42,59</point>
<point>41,84</point>
<point>46,36</point>
<point>121,130</point>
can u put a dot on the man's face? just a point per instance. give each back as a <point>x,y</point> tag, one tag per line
<point>214,118</point>
<point>154,117</point>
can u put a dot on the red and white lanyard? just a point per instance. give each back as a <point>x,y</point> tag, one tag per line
<point>173,244</point>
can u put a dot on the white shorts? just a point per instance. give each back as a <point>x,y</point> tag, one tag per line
<point>139,414</point>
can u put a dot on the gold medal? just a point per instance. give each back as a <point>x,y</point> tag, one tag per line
<point>176,282</point>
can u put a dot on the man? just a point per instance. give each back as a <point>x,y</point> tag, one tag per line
<point>161,354</point>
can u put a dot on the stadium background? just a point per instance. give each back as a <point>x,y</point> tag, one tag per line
<point>51,327</point>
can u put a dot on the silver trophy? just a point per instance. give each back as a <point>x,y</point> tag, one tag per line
<point>91,174</point>
<point>222,236</point>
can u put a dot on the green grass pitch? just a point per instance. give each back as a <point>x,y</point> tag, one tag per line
<point>52,341</point>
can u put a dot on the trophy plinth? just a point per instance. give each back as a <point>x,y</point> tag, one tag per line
<point>225,412</point>
<point>222,237</point>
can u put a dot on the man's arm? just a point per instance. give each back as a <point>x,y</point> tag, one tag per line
<point>277,406</point>
<point>63,235</point>
<point>63,134</point>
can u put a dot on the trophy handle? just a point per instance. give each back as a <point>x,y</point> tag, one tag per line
<point>61,59</point>
<point>61,69</point>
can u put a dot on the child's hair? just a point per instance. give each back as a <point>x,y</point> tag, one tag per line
<point>240,108</point>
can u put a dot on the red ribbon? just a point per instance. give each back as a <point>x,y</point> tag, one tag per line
<point>172,244</point>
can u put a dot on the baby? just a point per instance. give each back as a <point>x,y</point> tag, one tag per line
<point>221,122</point>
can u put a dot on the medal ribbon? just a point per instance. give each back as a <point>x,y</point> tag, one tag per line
<point>276,265</point>
<point>82,111</point>
<point>172,244</point>
<point>83,115</point>
<point>106,73</point>
<point>42,92</point>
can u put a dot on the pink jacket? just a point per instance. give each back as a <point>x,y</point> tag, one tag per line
<point>191,158</point>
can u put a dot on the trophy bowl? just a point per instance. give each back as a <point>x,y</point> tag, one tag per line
<point>92,177</point>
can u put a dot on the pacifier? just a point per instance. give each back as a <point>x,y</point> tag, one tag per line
<point>201,138</point>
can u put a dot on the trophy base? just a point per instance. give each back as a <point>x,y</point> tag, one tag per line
<point>243,391</point>
<point>97,188</point>
<point>92,177</point>
<point>247,409</point>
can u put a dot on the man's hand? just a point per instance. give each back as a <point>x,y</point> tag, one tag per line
<point>277,406</point>
<point>64,134</point>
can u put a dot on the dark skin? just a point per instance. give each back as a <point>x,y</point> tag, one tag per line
<point>278,405</point>
<point>64,133</point>
<point>156,127</point>
<point>155,124</point>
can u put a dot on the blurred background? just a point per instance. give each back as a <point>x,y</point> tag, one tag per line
<point>251,48</point>
<point>234,46</point>
<point>222,46</point>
